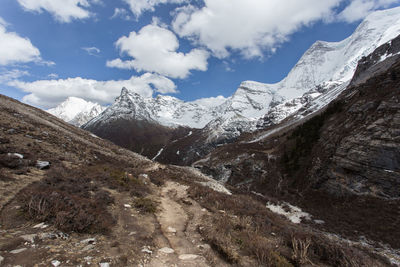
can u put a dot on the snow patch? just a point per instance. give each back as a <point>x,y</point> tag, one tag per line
<point>294,214</point>
<point>158,154</point>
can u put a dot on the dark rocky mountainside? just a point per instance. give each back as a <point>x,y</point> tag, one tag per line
<point>341,164</point>
<point>69,198</point>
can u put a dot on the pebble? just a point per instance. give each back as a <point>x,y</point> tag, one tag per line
<point>41,165</point>
<point>186,257</point>
<point>89,241</point>
<point>55,263</point>
<point>17,155</point>
<point>171,229</point>
<point>16,251</point>
<point>166,250</point>
<point>146,250</point>
<point>29,238</point>
<point>127,206</point>
<point>40,225</point>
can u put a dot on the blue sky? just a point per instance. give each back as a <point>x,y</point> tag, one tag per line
<point>52,49</point>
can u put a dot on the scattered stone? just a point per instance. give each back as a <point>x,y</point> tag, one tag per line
<point>204,246</point>
<point>59,235</point>
<point>186,257</point>
<point>132,233</point>
<point>15,155</point>
<point>319,221</point>
<point>55,263</point>
<point>127,206</point>
<point>166,250</point>
<point>88,258</point>
<point>16,251</point>
<point>42,165</point>
<point>40,225</point>
<point>89,241</point>
<point>11,131</point>
<point>29,238</point>
<point>171,230</point>
<point>1,259</point>
<point>203,210</point>
<point>88,247</point>
<point>104,264</point>
<point>147,250</point>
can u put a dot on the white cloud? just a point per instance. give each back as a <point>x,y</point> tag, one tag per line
<point>121,13</point>
<point>153,49</point>
<point>9,75</point>
<point>16,49</point>
<point>93,51</point>
<point>359,9</point>
<point>139,6</point>
<point>61,10</point>
<point>250,26</point>
<point>49,93</point>
<point>53,75</point>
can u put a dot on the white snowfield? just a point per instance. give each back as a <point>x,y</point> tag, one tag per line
<point>293,214</point>
<point>319,76</point>
<point>76,111</point>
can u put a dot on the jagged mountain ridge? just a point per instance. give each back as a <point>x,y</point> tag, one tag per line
<point>324,67</point>
<point>76,111</point>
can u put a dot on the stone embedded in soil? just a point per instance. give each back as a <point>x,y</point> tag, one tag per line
<point>186,257</point>
<point>166,250</point>
<point>41,165</point>
<point>29,238</point>
<point>55,263</point>
<point>171,230</point>
<point>89,241</point>
<point>17,251</point>
<point>40,225</point>
<point>147,250</point>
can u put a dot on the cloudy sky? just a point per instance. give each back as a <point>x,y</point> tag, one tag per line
<point>191,49</point>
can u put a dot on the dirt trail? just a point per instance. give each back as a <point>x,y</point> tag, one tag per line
<point>181,244</point>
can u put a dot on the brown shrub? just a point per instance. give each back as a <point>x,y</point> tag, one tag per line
<point>71,204</point>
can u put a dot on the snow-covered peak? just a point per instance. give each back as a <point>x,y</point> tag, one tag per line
<point>76,110</point>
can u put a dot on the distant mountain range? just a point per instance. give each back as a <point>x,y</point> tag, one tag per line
<point>322,73</point>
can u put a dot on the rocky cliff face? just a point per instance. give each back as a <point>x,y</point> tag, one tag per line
<point>341,164</point>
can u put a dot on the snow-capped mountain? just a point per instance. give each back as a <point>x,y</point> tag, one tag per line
<point>76,111</point>
<point>322,73</point>
<point>165,110</point>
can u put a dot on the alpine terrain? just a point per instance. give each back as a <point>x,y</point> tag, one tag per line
<point>323,72</point>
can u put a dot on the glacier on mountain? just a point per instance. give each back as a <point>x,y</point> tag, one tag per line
<point>321,74</point>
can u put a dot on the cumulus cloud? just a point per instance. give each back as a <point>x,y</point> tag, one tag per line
<point>49,93</point>
<point>93,51</point>
<point>139,6</point>
<point>17,49</point>
<point>61,10</point>
<point>249,26</point>
<point>154,49</point>
<point>359,9</point>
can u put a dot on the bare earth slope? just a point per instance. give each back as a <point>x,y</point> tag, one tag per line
<point>69,198</point>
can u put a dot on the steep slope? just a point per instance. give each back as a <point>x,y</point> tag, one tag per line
<point>341,164</point>
<point>76,110</point>
<point>96,204</point>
